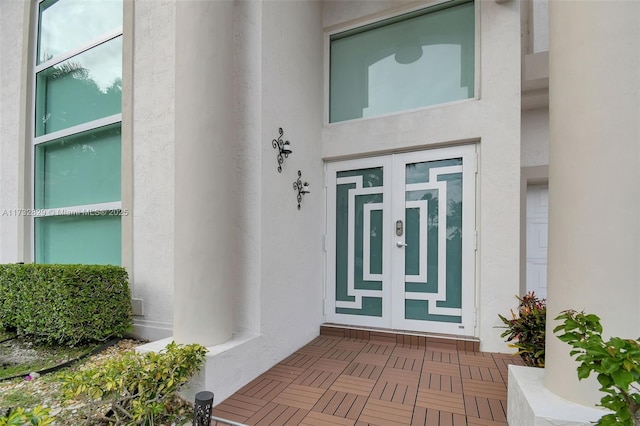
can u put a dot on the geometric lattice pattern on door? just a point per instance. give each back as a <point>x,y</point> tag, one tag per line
<point>433,255</point>
<point>398,255</point>
<point>359,242</point>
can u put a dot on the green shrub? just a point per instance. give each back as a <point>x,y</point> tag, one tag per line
<point>10,277</point>
<point>65,304</point>
<point>136,388</point>
<point>616,361</point>
<point>527,329</point>
<point>37,417</point>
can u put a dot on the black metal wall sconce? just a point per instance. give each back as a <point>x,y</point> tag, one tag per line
<point>302,188</point>
<point>284,149</point>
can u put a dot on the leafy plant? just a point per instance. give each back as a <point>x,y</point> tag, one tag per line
<point>136,389</point>
<point>37,417</point>
<point>526,329</point>
<point>616,362</point>
<point>65,304</point>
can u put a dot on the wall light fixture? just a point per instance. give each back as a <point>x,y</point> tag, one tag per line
<point>284,149</point>
<point>301,188</point>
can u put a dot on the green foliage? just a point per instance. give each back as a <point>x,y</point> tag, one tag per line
<point>616,362</point>
<point>19,417</point>
<point>527,329</point>
<point>138,388</point>
<point>18,398</point>
<point>21,356</point>
<point>65,304</point>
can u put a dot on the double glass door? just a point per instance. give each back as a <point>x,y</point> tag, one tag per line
<point>401,241</point>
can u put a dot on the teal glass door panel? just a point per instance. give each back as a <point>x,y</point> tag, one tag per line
<point>433,255</point>
<point>359,242</point>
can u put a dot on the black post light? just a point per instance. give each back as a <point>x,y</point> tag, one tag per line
<point>202,408</point>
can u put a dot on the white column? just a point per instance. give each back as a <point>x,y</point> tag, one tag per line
<point>204,147</point>
<point>15,146</point>
<point>248,172</point>
<point>594,176</point>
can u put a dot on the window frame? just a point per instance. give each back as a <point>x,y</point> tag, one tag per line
<point>367,22</point>
<point>98,209</point>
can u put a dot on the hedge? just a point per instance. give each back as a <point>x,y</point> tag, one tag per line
<point>65,304</point>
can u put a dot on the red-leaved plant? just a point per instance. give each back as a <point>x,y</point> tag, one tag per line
<point>526,329</point>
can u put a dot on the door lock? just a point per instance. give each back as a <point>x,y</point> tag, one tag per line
<point>399,228</point>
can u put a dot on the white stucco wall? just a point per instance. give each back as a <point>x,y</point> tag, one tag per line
<point>278,69</point>
<point>248,143</point>
<point>290,281</point>
<point>292,239</point>
<point>535,137</point>
<point>275,251</point>
<point>204,176</point>
<point>13,78</point>
<point>493,121</point>
<point>339,13</point>
<point>153,165</point>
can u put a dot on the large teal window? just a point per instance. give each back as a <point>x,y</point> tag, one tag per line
<point>412,61</point>
<point>65,25</point>
<point>77,132</point>
<point>78,170</point>
<point>83,88</point>
<point>88,238</point>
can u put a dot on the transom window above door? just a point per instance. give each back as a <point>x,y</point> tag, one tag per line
<point>403,63</point>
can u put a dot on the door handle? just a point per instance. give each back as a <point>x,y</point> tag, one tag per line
<point>401,244</point>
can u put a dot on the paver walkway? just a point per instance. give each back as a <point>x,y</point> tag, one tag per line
<point>342,381</point>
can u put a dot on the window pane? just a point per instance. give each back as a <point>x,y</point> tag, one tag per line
<point>78,239</point>
<point>424,60</point>
<point>69,24</point>
<point>81,89</point>
<point>81,169</point>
